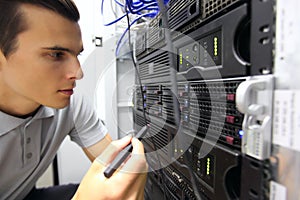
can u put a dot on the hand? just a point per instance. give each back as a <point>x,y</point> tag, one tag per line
<point>127,183</point>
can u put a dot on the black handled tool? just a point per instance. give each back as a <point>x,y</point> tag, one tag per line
<point>119,159</point>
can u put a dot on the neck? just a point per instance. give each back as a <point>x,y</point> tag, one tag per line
<point>29,114</point>
<point>13,103</point>
<point>16,107</point>
<point>16,112</point>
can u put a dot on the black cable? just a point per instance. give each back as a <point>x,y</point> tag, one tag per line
<point>141,91</point>
<point>173,76</point>
<point>172,62</point>
<point>193,178</point>
<point>136,67</point>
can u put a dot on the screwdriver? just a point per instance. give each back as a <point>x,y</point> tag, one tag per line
<point>119,159</point>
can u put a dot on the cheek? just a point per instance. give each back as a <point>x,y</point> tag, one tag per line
<point>34,73</point>
<point>21,81</point>
<point>28,80</point>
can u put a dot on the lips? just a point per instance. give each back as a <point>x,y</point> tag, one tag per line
<point>68,92</point>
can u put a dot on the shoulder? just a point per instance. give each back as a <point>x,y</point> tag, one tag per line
<point>81,105</point>
<point>78,110</point>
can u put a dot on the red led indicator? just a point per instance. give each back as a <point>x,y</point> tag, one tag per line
<point>230,119</point>
<point>231,97</point>
<point>229,140</point>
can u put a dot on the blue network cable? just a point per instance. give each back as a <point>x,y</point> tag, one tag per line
<point>126,30</point>
<point>140,8</point>
<point>119,3</point>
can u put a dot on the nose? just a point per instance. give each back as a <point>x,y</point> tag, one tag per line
<point>76,71</point>
<point>79,74</point>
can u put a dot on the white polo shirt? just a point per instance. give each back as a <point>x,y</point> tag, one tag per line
<point>28,146</point>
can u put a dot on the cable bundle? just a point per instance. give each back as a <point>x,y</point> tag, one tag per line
<point>138,8</point>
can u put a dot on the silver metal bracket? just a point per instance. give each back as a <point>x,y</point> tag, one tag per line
<point>254,98</point>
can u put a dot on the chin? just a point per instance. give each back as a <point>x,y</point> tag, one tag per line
<point>59,105</point>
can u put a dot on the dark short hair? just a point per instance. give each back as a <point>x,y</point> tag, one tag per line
<point>12,20</point>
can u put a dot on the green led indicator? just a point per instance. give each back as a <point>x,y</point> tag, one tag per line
<point>215,46</point>
<point>207,166</point>
<point>180,59</point>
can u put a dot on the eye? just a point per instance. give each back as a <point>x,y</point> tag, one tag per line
<point>56,55</point>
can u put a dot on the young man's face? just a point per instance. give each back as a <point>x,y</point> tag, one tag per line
<point>44,68</point>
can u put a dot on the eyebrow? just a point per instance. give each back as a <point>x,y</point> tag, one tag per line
<point>59,48</point>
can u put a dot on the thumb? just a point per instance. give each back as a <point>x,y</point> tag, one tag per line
<point>112,150</point>
<point>137,162</point>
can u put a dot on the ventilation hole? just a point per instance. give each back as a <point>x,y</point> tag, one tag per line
<point>255,165</point>
<point>193,9</point>
<point>265,29</point>
<point>160,23</point>
<point>265,71</point>
<point>264,41</point>
<point>253,192</point>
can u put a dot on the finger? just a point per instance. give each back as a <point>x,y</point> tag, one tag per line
<point>123,142</point>
<point>137,161</point>
<point>112,150</point>
<point>138,147</point>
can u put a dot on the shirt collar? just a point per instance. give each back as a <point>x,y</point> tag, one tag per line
<point>9,122</point>
<point>44,112</point>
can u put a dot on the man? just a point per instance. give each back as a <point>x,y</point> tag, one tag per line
<point>39,44</point>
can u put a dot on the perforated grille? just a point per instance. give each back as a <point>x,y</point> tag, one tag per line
<point>181,12</point>
<point>155,67</point>
<point>211,7</point>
